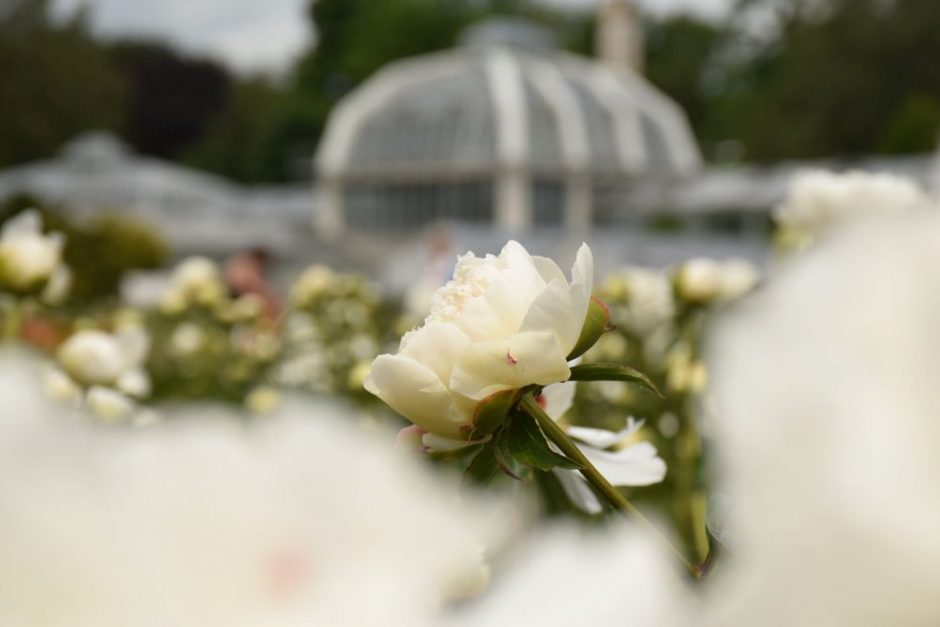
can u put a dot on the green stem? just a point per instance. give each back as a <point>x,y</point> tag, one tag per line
<point>12,322</point>
<point>616,499</point>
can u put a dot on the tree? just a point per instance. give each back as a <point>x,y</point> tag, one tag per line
<point>57,82</point>
<point>172,98</point>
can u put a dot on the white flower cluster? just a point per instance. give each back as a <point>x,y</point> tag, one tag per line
<point>820,199</point>
<point>203,522</point>
<point>102,371</point>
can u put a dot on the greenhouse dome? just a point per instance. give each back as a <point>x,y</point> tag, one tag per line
<point>505,130</point>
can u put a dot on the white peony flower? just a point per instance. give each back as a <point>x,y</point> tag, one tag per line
<point>28,258</point>
<point>818,199</point>
<point>502,323</point>
<point>94,357</point>
<point>215,523</point>
<point>565,577</point>
<point>826,388</point>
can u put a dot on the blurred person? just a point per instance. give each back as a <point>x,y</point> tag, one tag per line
<point>245,273</point>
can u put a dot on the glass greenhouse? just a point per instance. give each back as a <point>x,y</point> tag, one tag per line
<point>504,130</point>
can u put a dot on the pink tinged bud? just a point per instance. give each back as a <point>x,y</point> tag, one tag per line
<point>409,439</point>
<point>512,361</point>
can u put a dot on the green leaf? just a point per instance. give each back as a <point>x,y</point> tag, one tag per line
<point>491,413</point>
<point>528,445</point>
<point>613,372</point>
<point>483,467</point>
<point>596,323</point>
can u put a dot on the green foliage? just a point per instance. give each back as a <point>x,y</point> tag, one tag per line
<point>56,82</point>
<point>528,446</point>
<point>242,142</point>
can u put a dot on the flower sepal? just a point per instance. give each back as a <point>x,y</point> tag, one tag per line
<point>596,323</point>
<point>491,413</point>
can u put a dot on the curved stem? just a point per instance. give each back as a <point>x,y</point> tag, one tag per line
<point>617,500</point>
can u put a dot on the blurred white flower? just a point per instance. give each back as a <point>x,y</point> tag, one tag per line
<point>195,281</point>
<point>28,258</point>
<point>704,281</point>
<point>698,280</point>
<point>109,404</point>
<point>263,400</point>
<point>187,339</point>
<point>204,523</point>
<point>565,577</point>
<point>827,391</point>
<point>58,286</point>
<point>648,297</point>
<point>96,357</point>
<point>60,387</point>
<point>502,323</point>
<point>311,283</point>
<point>818,199</point>
<point>738,278</point>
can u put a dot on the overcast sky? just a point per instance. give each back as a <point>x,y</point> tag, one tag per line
<point>258,34</point>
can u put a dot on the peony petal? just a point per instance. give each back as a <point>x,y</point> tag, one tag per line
<point>558,398</point>
<point>577,489</point>
<point>510,363</point>
<point>602,438</point>
<point>635,465</point>
<point>554,310</point>
<point>548,269</point>
<point>436,345</point>
<point>25,223</point>
<point>437,444</point>
<point>511,292</point>
<point>415,392</point>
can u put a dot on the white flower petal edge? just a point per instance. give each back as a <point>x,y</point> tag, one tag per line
<point>637,464</point>
<point>602,438</point>
<point>415,391</point>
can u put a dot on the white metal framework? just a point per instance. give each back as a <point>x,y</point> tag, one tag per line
<point>496,132</point>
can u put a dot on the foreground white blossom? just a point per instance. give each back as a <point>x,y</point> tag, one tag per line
<point>502,323</point>
<point>28,258</point>
<point>204,522</point>
<point>565,577</point>
<point>819,199</point>
<point>827,394</point>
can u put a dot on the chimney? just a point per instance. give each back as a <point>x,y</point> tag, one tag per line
<point>619,35</point>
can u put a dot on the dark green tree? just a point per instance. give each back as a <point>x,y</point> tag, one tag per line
<point>172,98</point>
<point>55,82</point>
